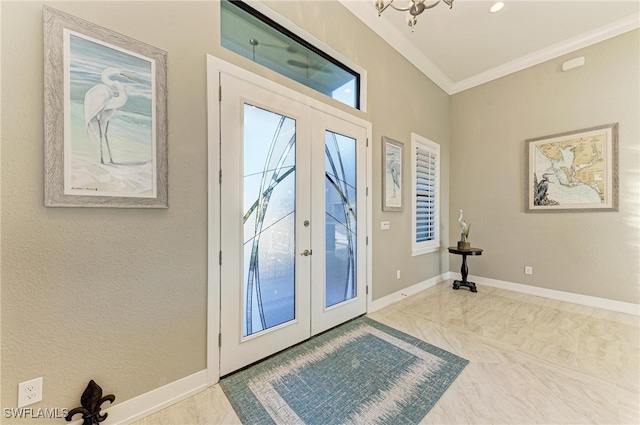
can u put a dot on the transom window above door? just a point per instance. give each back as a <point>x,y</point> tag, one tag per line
<point>246,31</point>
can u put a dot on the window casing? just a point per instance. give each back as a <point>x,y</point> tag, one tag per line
<point>425,182</point>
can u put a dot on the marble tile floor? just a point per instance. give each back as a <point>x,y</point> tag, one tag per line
<point>532,361</point>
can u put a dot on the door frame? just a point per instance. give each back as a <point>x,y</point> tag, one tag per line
<point>214,67</point>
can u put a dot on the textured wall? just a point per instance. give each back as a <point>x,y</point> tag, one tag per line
<point>592,253</point>
<point>115,295</point>
<point>119,296</point>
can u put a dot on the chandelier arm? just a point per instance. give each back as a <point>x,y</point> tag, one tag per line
<point>412,4</point>
<point>414,8</point>
<point>400,8</point>
<point>381,7</point>
<point>429,6</point>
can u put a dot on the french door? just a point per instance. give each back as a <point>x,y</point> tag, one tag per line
<point>293,222</point>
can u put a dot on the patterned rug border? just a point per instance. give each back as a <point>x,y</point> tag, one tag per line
<point>238,386</point>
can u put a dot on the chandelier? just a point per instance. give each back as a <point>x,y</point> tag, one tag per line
<point>413,8</point>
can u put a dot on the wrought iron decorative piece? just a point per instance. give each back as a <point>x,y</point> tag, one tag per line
<point>91,401</point>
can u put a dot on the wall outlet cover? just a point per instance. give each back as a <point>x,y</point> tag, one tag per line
<point>29,392</point>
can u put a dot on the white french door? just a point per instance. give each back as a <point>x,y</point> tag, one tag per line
<point>293,222</point>
<point>338,187</point>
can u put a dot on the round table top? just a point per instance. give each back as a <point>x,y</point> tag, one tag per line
<point>470,251</point>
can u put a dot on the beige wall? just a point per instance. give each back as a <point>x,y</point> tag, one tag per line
<point>593,253</point>
<point>119,296</point>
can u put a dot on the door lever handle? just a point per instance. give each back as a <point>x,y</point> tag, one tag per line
<point>307,252</point>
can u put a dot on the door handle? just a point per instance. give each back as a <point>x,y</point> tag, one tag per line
<point>307,252</point>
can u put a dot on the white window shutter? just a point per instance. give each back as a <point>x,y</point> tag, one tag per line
<point>426,194</point>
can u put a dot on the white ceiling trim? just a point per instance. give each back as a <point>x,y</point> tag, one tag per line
<point>364,11</point>
<point>562,48</point>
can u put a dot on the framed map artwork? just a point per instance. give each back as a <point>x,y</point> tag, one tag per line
<point>573,171</point>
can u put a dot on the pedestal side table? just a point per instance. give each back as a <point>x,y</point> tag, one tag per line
<point>464,270</point>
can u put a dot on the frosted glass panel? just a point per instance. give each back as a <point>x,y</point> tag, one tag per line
<point>340,214</point>
<point>269,219</point>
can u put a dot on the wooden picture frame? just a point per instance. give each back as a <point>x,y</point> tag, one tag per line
<point>576,171</point>
<point>105,112</point>
<point>392,177</point>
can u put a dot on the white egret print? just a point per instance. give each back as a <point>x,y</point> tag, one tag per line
<point>110,121</point>
<point>100,105</point>
<point>392,179</point>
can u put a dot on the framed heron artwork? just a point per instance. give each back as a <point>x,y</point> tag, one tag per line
<point>105,117</point>
<point>392,164</point>
<point>576,171</point>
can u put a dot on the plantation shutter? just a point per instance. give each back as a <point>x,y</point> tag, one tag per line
<point>426,200</point>
<point>426,204</point>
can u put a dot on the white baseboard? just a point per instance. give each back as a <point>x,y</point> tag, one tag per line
<point>603,303</point>
<point>155,400</point>
<point>413,289</point>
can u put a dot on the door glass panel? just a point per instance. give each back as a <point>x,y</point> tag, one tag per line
<point>340,214</point>
<point>269,219</point>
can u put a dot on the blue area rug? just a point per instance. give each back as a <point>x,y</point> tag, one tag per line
<point>361,372</point>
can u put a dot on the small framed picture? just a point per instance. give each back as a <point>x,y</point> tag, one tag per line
<point>392,165</point>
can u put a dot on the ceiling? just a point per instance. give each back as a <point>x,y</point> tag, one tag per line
<point>467,46</point>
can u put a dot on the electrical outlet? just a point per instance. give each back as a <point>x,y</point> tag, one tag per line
<point>385,225</point>
<point>528,270</point>
<point>29,392</point>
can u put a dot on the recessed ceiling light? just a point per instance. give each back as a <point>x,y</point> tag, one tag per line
<point>497,6</point>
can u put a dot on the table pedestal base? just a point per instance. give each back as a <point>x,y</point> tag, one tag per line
<point>464,270</point>
<point>471,285</point>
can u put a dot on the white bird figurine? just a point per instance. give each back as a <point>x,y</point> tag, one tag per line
<point>464,227</point>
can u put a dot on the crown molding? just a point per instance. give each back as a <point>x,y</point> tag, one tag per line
<point>556,50</point>
<point>364,11</point>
